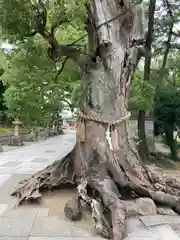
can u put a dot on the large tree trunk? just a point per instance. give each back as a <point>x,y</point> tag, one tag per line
<point>171,142</point>
<point>143,146</point>
<point>104,161</point>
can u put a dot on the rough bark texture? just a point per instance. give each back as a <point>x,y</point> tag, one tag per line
<point>106,175</point>
<point>171,142</point>
<point>143,145</point>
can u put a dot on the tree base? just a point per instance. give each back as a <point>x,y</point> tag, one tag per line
<point>108,201</point>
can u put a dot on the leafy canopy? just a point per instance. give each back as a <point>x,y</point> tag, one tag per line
<point>36,86</point>
<point>167,107</point>
<point>18,18</point>
<point>141,95</point>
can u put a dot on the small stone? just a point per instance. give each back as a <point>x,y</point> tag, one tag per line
<point>146,206</point>
<point>166,211</point>
<point>131,209</point>
<point>73,209</point>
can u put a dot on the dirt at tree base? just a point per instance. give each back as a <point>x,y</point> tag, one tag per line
<point>164,172</point>
<point>52,200</point>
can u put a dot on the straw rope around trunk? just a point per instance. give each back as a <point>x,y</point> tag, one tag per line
<point>111,132</point>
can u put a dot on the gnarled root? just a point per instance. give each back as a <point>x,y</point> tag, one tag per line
<point>110,197</point>
<point>56,175</point>
<point>100,222</point>
<point>101,189</point>
<point>108,211</point>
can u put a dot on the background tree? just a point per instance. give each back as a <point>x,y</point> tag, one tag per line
<point>141,94</point>
<point>166,104</point>
<point>36,88</point>
<point>143,146</point>
<point>3,108</point>
<point>164,41</point>
<point>167,115</point>
<point>141,99</point>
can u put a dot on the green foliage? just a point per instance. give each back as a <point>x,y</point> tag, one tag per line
<point>173,65</point>
<point>6,130</point>
<point>66,10</point>
<point>76,94</point>
<point>167,106</point>
<point>141,96</point>
<point>2,87</point>
<point>18,18</point>
<point>35,90</point>
<point>167,115</point>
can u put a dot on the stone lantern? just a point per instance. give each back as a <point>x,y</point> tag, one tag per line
<point>16,140</point>
<point>16,123</point>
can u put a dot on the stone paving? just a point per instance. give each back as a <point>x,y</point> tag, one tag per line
<point>30,159</point>
<point>36,223</point>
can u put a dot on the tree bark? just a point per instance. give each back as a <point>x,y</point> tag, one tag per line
<point>162,72</point>
<point>104,165</point>
<point>143,147</point>
<point>171,142</point>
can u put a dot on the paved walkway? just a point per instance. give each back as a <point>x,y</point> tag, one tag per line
<point>30,159</point>
<point>36,222</point>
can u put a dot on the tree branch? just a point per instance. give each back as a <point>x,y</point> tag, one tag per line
<point>40,18</point>
<point>60,22</point>
<point>149,40</point>
<point>61,69</point>
<point>69,104</point>
<point>56,50</point>
<point>78,40</point>
<point>98,27</point>
<point>168,5</point>
<point>167,49</point>
<point>167,43</point>
<point>55,26</point>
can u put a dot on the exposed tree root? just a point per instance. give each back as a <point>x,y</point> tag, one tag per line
<point>101,190</point>
<point>53,176</point>
<point>109,196</point>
